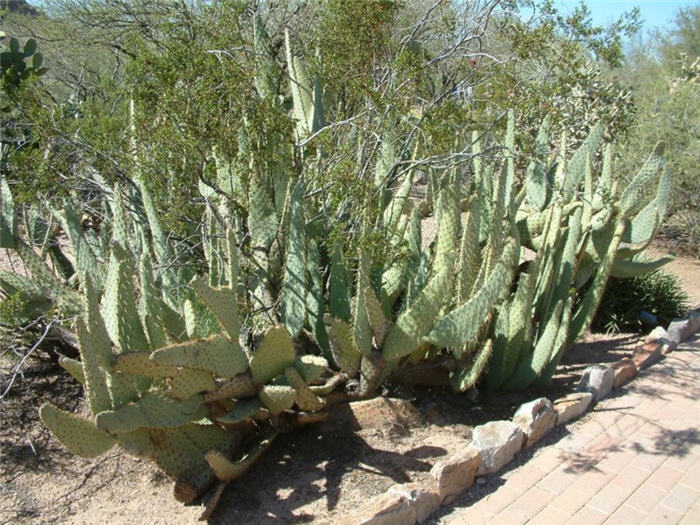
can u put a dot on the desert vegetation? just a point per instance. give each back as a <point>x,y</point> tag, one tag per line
<point>225,218</point>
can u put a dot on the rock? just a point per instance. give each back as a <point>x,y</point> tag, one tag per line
<point>677,329</point>
<point>646,354</point>
<point>598,380</point>
<point>497,442</point>
<point>379,412</point>
<point>681,329</point>
<point>456,473</point>
<point>693,322</point>
<point>572,406</point>
<point>659,335</point>
<point>535,418</point>
<point>624,370</point>
<point>389,508</point>
<point>423,499</point>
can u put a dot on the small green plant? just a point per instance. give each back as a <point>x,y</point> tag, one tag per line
<point>634,304</point>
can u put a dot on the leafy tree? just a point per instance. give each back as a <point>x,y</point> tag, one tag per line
<point>664,72</point>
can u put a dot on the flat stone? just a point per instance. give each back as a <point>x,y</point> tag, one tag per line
<point>389,508</point>
<point>497,442</point>
<point>624,369</point>
<point>659,335</point>
<point>423,499</point>
<point>646,354</point>
<point>379,412</point>
<point>572,406</point>
<point>598,380</point>
<point>535,418</point>
<point>456,473</point>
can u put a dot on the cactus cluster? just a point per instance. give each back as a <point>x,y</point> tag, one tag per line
<point>206,370</point>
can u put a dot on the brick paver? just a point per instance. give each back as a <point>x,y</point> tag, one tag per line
<point>634,459</point>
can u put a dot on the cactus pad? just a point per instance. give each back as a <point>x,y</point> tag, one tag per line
<point>141,364</point>
<point>218,355</point>
<point>221,301</point>
<point>78,435</point>
<point>190,381</point>
<point>342,344</point>
<point>273,356</point>
<point>151,411</point>
<point>277,398</point>
<point>311,367</point>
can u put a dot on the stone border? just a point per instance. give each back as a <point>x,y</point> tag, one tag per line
<point>495,444</point>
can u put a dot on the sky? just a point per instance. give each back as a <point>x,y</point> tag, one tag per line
<point>654,13</point>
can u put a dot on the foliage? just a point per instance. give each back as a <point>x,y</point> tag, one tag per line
<point>664,72</point>
<point>627,303</point>
<point>239,243</point>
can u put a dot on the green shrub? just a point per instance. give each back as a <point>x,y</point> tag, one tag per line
<point>627,303</point>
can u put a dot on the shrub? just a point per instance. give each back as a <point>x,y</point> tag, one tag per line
<point>632,304</point>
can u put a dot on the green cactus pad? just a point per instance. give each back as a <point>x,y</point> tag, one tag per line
<point>532,226</point>
<point>221,301</point>
<point>559,345</point>
<point>137,442</point>
<point>244,409</point>
<point>153,410</point>
<point>339,294</point>
<point>412,325</point>
<point>273,356</point>
<point>86,261</point>
<point>315,301</point>
<point>448,228</point>
<point>65,297</point>
<point>362,332</point>
<point>8,227</point>
<point>277,398</point>
<point>294,288</point>
<point>529,368</point>
<point>342,344</point>
<point>180,454</point>
<point>141,364</point>
<point>643,226</point>
<point>466,377</point>
<point>378,322</point>
<point>151,306</point>
<point>625,268</point>
<point>74,367</point>
<point>461,325</point>
<point>305,399</point>
<point>11,283</point>
<point>536,184</point>
<point>636,195</point>
<point>227,470</point>
<point>469,252</point>
<point>262,221</point>
<point>190,381</point>
<point>120,316</point>
<point>311,367</point>
<point>372,370</point>
<point>218,355</point>
<point>398,204</point>
<point>583,316</point>
<point>78,435</point>
<point>576,168</point>
<point>240,386</point>
<point>224,469</point>
<point>95,352</point>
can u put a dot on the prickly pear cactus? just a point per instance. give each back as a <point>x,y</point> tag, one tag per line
<point>203,374</point>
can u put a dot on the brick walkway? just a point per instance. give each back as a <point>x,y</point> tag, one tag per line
<point>634,459</point>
